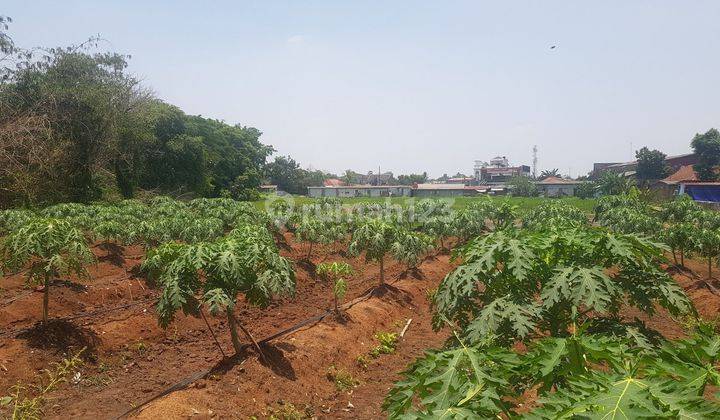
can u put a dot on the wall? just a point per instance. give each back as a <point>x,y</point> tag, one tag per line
<point>347,192</point>
<point>564,190</point>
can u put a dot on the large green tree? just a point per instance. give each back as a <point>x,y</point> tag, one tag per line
<point>650,164</point>
<point>287,174</point>
<point>75,126</point>
<point>707,148</point>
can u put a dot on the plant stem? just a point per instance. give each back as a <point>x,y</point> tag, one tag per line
<point>382,271</point>
<point>234,323</point>
<point>46,299</point>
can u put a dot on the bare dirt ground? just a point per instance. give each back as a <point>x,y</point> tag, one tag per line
<point>129,359</point>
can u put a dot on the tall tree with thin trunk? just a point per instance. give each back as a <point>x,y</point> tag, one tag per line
<point>48,248</point>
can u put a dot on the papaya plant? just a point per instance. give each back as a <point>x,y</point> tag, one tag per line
<point>49,248</point>
<point>410,247</point>
<point>680,237</point>
<point>376,238</point>
<point>707,238</point>
<point>514,283</point>
<point>579,376</point>
<point>335,272</point>
<point>245,262</point>
<point>440,227</point>
<point>554,214</point>
<point>315,231</point>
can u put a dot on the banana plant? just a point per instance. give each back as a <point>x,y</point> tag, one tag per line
<point>51,248</point>
<point>336,272</point>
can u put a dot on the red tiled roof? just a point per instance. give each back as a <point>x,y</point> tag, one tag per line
<point>333,182</point>
<point>685,173</point>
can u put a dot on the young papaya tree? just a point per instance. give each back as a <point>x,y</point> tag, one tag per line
<point>707,238</point>
<point>410,247</point>
<point>514,283</point>
<point>51,248</point>
<point>245,262</point>
<point>581,375</point>
<point>376,238</point>
<point>680,237</point>
<point>440,227</point>
<point>336,272</point>
<point>554,214</point>
<point>315,231</point>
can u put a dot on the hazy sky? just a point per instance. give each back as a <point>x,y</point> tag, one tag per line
<point>413,86</point>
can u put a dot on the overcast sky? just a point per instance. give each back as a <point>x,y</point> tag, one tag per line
<point>416,86</point>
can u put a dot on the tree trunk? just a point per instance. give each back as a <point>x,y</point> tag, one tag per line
<point>309,251</point>
<point>382,271</point>
<point>46,298</point>
<point>682,258</point>
<point>234,323</point>
<point>674,256</point>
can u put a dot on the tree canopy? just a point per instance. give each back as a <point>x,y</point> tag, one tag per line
<point>707,148</point>
<point>650,164</point>
<point>76,126</point>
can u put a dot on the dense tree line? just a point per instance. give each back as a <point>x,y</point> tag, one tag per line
<point>287,174</point>
<point>76,126</point>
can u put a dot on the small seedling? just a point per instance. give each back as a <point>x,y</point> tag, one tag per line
<point>343,380</point>
<point>387,340</point>
<point>335,272</point>
<point>363,361</point>
<point>32,407</point>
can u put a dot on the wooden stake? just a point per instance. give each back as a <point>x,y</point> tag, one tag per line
<point>407,324</point>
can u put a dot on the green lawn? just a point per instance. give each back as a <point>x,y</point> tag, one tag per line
<point>523,203</point>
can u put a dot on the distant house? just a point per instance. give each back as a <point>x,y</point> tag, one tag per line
<point>461,180</point>
<point>333,182</point>
<point>441,190</point>
<point>685,181</point>
<point>361,191</point>
<point>498,171</point>
<point>629,168</point>
<point>553,186</point>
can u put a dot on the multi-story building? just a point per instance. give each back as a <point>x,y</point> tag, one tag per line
<point>498,171</point>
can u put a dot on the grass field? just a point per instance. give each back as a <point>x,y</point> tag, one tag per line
<point>523,203</point>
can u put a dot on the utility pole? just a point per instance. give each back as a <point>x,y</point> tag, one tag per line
<point>535,162</point>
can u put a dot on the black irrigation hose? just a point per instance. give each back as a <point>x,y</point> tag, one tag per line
<point>199,375</point>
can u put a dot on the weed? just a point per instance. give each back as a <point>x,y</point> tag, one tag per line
<point>343,380</point>
<point>140,347</point>
<point>26,407</point>
<point>387,340</point>
<point>430,296</point>
<point>288,411</point>
<point>363,361</point>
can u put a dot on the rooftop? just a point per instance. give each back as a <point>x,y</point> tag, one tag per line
<point>553,180</point>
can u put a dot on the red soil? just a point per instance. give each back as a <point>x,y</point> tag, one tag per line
<point>131,359</point>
